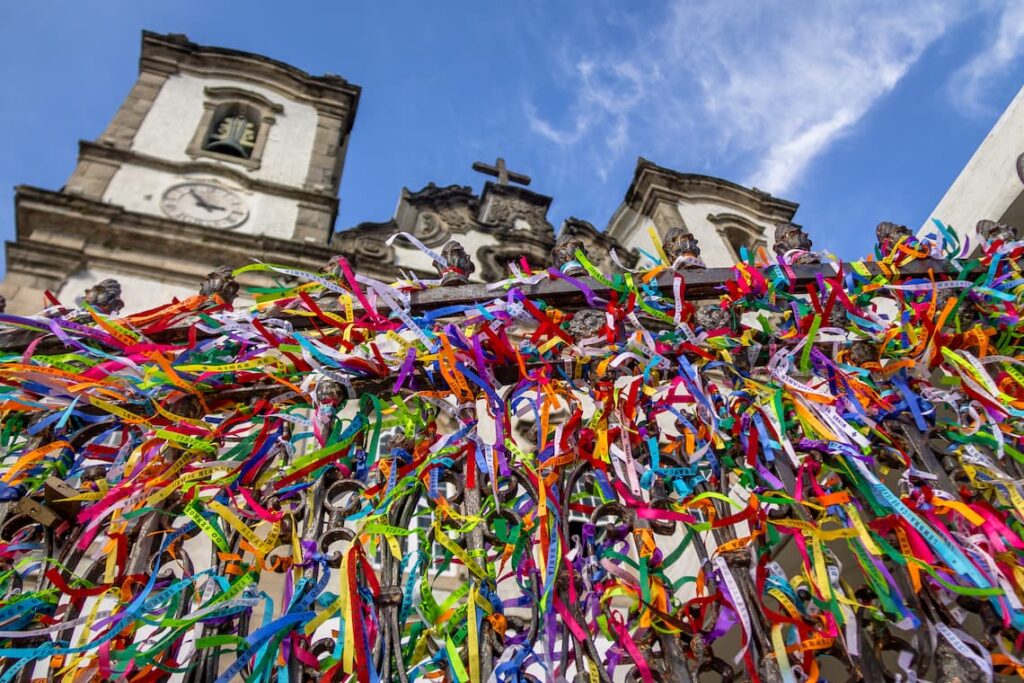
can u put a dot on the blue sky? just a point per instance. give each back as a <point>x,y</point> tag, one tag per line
<point>859,111</point>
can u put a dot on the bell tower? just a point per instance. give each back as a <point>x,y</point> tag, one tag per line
<point>215,157</point>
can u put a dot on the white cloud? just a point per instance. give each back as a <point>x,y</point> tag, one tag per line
<point>767,86</point>
<point>607,93</point>
<point>968,84</point>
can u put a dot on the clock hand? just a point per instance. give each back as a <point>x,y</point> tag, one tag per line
<point>202,203</point>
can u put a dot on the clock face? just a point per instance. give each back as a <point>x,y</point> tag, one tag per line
<point>204,204</point>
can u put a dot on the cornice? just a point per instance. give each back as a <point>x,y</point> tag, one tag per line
<point>89,150</point>
<point>366,229</point>
<point>232,93</point>
<point>647,175</point>
<point>96,222</point>
<point>46,261</point>
<point>174,52</point>
<point>520,193</point>
<point>725,219</point>
<point>509,235</point>
<point>432,193</point>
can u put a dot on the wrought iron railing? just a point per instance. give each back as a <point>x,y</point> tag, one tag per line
<point>786,470</point>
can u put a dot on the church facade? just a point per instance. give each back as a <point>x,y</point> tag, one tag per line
<point>217,157</point>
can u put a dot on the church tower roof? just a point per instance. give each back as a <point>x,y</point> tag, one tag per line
<point>724,216</point>
<point>173,53</point>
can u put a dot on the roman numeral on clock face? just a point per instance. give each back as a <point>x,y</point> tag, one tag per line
<point>205,204</point>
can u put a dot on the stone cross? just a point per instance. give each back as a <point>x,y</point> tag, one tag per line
<point>501,172</point>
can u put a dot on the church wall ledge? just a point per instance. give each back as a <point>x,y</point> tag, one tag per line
<point>173,53</point>
<point>127,231</point>
<point>91,151</point>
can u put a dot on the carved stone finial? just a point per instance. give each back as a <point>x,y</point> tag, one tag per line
<point>330,393</point>
<point>563,256</point>
<point>332,267</point>
<point>793,244</point>
<point>993,232</point>
<point>189,407</point>
<point>888,234</point>
<point>682,249</point>
<point>737,558</point>
<point>220,282</point>
<point>396,440</point>
<point>587,323</point>
<point>862,352</point>
<point>838,316</point>
<point>699,647</point>
<point>105,296</point>
<point>460,265</point>
<point>771,672</point>
<point>712,317</point>
<point>968,312</point>
<point>955,666</point>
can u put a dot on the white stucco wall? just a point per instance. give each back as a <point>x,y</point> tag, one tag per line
<point>988,184</point>
<point>171,123</point>
<point>138,188</point>
<point>713,248</point>
<point>138,293</point>
<point>168,129</point>
<point>408,256</point>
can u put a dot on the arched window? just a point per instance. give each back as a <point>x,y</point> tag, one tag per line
<point>738,233</point>
<point>233,130</point>
<point>742,238</point>
<point>234,126</point>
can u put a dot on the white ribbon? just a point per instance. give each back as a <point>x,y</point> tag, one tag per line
<point>419,245</point>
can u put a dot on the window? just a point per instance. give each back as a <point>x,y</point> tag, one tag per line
<point>233,131</point>
<point>739,232</point>
<point>741,238</point>
<point>234,126</point>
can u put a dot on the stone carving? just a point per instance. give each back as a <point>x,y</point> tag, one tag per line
<point>992,232</point>
<point>955,667</point>
<point>968,312</point>
<point>333,267</point>
<point>396,440</point>
<point>374,249</point>
<point>794,245</point>
<point>435,227</point>
<point>563,256</point>
<point>430,229</point>
<point>456,220</point>
<point>330,393</point>
<point>495,260</point>
<point>587,323</point>
<point>862,352</point>
<point>504,212</point>
<point>434,195</point>
<point>838,317</point>
<point>712,317</point>
<point>460,265</point>
<point>770,671</point>
<point>221,282</point>
<point>598,245</point>
<point>888,234</point>
<point>682,249</point>
<point>105,296</point>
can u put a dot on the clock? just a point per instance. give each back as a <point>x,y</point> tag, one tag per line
<point>204,204</point>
